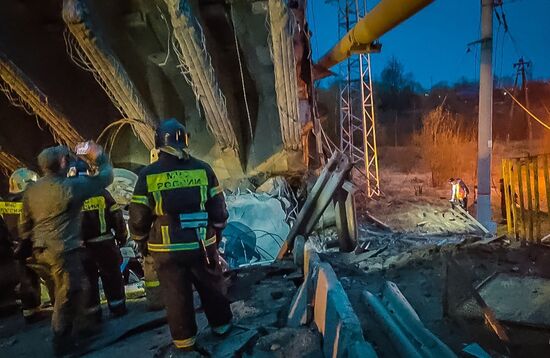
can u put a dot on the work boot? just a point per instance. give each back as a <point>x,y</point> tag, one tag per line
<point>36,317</point>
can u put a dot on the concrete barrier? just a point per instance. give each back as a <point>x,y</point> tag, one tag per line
<point>332,312</point>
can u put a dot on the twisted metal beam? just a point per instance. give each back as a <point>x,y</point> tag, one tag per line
<point>22,92</point>
<point>89,54</point>
<point>282,53</point>
<point>199,73</point>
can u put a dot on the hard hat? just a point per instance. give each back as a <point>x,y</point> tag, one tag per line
<point>171,133</point>
<point>20,178</point>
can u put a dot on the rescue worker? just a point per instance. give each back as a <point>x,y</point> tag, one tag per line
<point>5,240</point>
<point>176,210</point>
<point>459,193</point>
<point>51,219</point>
<point>10,210</point>
<point>103,231</point>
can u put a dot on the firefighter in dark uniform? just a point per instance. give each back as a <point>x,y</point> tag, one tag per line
<point>176,210</point>
<point>10,210</point>
<point>103,231</point>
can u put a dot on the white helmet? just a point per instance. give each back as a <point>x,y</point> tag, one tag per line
<point>20,178</point>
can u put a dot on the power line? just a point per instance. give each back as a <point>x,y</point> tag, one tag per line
<point>527,110</point>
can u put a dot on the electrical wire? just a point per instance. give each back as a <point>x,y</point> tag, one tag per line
<point>242,75</point>
<point>169,38</point>
<point>527,110</point>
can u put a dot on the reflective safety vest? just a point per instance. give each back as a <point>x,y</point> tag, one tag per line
<point>100,215</point>
<point>459,190</point>
<point>10,211</point>
<point>93,220</point>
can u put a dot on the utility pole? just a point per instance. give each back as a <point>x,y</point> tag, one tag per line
<point>520,72</point>
<point>485,130</point>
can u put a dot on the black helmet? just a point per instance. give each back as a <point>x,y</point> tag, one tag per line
<point>171,133</point>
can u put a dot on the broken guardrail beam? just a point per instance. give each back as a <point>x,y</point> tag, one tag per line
<point>402,326</point>
<point>399,340</point>
<point>332,312</point>
<point>405,315</point>
<point>334,174</point>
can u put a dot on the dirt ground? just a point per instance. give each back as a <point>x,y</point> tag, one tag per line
<point>260,298</point>
<point>422,276</point>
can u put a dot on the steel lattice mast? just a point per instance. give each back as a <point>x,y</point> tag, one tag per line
<point>357,119</point>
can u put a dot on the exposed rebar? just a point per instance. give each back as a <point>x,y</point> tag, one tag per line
<point>196,67</point>
<point>22,92</point>
<point>286,85</point>
<point>88,53</point>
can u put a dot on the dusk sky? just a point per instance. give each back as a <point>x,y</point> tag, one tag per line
<point>432,45</point>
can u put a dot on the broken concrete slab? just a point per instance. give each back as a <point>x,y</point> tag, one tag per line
<point>235,343</point>
<point>289,342</point>
<point>521,300</point>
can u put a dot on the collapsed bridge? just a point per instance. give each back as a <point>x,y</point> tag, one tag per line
<point>229,70</point>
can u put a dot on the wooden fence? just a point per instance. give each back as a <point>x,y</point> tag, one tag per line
<point>527,196</point>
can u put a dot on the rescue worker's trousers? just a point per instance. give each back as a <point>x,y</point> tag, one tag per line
<point>153,293</point>
<point>70,284</point>
<point>464,203</point>
<point>103,260</point>
<point>178,272</point>
<point>29,289</point>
